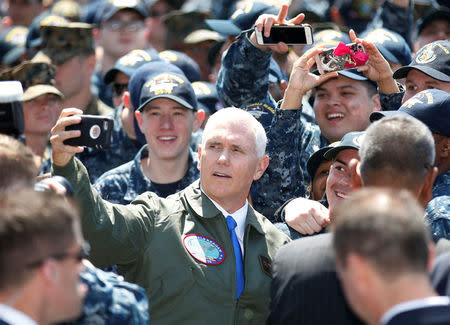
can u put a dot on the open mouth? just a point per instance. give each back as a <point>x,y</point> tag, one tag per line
<point>335,116</point>
<point>221,175</point>
<point>168,138</point>
<point>341,195</point>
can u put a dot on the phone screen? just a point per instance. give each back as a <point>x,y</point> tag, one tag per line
<point>288,35</point>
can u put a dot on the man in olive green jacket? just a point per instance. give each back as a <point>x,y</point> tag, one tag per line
<point>179,249</point>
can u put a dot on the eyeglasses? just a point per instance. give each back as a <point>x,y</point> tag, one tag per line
<point>130,26</point>
<point>77,256</point>
<point>118,88</point>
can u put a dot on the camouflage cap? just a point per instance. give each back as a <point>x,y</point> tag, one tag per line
<point>180,24</point>
<point>37,78</point>
<point>63,42</point>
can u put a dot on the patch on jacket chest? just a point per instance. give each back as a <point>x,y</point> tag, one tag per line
<point>204,249</point>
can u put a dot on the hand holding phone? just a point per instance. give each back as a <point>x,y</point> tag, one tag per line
<point>344,56</point>
<point>95,132</point>
<point>289,34</point>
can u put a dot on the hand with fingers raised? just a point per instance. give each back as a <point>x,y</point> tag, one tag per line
<point>62,153</point>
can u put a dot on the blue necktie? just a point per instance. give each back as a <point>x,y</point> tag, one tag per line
<point>231,223</point>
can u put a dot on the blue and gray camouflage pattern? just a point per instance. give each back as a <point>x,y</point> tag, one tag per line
<point>100,89</point>
<point>437,213</point>
<point>392,102</point>
<point>290,144</point>
<point>122,150</point>
<point>243,82</point>
<point>124,183</point>
<point>111,300</point>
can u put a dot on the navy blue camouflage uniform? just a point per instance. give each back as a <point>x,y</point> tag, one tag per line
<point>111,300</point>
<point>290,144</point>
<point>291,140</point>
<point>437,213</point>
<point>243,82</point>
<point>124,183</point>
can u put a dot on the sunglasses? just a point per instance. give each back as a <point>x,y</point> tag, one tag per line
<point>131,26</point>
<point>118,89</point>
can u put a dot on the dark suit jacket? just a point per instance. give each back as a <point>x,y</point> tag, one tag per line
<point>305,288</point>
<point>429,315</point>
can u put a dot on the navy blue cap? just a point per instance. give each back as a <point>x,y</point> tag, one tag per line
<point>143,74</point>
<point>138,79</point>
<point>242,19</point>
<point>390,44</point>
<point>12,43</point>
<point>129,63</point>
<point>206,96</point>
<point>316,159</point>
<point>352,74</point>
<point>351,140</point>
<point>189,67</point>
<point>34,39</point>
<point>169,85</point>
<point>110,7</point>
<point>275,74</point>
<point>432,59</point>
<point>431,107</point>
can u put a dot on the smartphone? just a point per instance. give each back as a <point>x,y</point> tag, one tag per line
<point>289,34</point>
<point>95,132</point>
<point>344,56</point>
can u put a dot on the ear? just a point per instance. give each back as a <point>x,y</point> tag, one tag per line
<point>261,167</point>
<point>90,63</point>
<point>199,116</point>
<point>199,156</point>
<point>376,102</point>
<point>425,191</point>
<point>283,86</point>
<point>49,271</point>
<point>431,256</point>
<point>356,180</point>
<point>96,34</point>
<point>139,118</point>
<point>126,99</point>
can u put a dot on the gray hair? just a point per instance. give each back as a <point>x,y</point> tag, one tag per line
<point>233,114</point>
<point>398,147</point>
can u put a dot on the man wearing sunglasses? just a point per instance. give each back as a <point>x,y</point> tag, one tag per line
<point>41,249</point>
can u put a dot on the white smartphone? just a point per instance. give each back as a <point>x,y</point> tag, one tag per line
<point>328,61</point>
<point>289,34</point>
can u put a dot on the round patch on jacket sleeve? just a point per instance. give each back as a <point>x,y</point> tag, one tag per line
<point>204,249</point>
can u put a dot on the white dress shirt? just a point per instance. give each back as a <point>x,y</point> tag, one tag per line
<point>239,216</point>
<point>14,316</point>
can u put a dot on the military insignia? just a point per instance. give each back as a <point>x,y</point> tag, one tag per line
<point>204,249</point>
<point>168,55</point>
<point>380,36</point>
<point>266,265</point>
<point>427,55</point>
<point>134,57</point>
<point>424,97</point>
<point>163,84</point>
<point>17,36</point>
<point>200,88</point>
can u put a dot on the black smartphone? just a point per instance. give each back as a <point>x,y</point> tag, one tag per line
<point>95,132</point>
<point>289,34</point>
